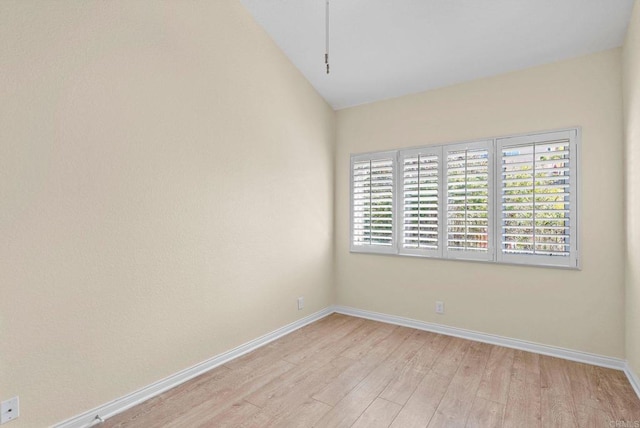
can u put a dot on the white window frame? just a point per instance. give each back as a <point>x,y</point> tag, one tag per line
<point>494,247</point>
<point>402,155</point>
<point>471,255</point>
<point>379,249</point>
<point>536,259</point>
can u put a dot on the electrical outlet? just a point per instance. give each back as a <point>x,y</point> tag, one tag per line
<point>300,303</point>
<point>9,410</point>
<point>439,307</point>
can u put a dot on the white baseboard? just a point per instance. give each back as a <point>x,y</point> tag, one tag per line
<point>567,354</point>
<point>121,404</point>
<point>552,351</point>
<point>633,378</point>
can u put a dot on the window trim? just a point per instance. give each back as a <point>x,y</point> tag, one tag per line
<point>402,154</point>
<point>375,249</point>
<point>494,253</point>
<point>535,259</point>
<point>469,255</point>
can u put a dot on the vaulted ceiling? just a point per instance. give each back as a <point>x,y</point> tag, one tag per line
<point>382,48</point>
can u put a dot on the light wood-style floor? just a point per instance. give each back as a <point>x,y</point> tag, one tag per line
<point>349,372</point>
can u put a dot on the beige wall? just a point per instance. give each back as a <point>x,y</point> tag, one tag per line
<point>148,154</point>
<point>166,192</point>
<point>580,310</point>
<point>631,96</point>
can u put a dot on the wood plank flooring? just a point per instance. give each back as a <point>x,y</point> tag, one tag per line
<point>350,372</point>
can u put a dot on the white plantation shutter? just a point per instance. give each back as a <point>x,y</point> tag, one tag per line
<point>372,202</point>
<point>469,203</point>
<point>537,184</point>
<point>510,200</point>
<point>420,209</point>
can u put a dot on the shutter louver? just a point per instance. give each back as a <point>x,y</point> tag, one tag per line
<point>536,205</point>
<point>373,202</point>
<point>420,202</point>
<point>468,201</point>
<point>508,200</point>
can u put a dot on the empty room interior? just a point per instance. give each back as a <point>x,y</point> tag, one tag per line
<point>270,213</point>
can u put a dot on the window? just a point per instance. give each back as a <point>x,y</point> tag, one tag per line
<point>421,207</point>
<point>538,192</point>
<point>508,200</point>
<point>372,202</point>
<point>469,204</point>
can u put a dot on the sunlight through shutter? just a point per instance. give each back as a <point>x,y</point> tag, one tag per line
<point>468,201</point>
<point>420,195</point>
<point>536,186</point>
<point>373,202</point>
<point>508,200</point>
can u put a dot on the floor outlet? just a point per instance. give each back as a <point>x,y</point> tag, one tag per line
<point>9,410</point>
<point>300,303</point>
<point>439,307</point>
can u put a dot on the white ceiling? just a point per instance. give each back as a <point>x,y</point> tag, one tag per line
<point>387,48</point>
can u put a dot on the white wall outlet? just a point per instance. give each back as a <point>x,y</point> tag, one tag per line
<point>439,307</point>
<point>300,303</point>
<point>9,410</point>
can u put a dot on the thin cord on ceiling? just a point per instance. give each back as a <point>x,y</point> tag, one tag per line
<point>326,51</point>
